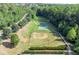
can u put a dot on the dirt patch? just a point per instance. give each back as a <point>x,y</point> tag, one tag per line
<point>39,35</point>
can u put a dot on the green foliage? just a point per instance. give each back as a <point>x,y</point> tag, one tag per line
<point>23,22</point>
<point>6,31</point>
<point>76,46</point>
<point>10,13</point>
<point>61,25</point>
<point>76,49</point>
<point>77,43</point>
<point>14,39</point>
<point>71,35</point>
<point>33,26</point>
<point>65,30</point>
<point>15,27</point>
<point>75,26</point>
<point>0,40</point>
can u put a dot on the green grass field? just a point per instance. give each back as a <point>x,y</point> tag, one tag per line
<point>41,40</point>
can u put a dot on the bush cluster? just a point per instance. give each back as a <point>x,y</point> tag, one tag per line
<point>14,39</point>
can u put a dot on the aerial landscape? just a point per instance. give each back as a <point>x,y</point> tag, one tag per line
<point>39,29</point>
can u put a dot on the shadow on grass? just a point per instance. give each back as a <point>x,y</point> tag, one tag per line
<point>8,45</point>
<point>43,52</point>
<point>53,30</point>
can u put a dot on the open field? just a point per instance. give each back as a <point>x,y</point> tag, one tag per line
<point>43,40</point>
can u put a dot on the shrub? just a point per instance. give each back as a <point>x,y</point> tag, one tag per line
<point>14,39</point>
<point>15,27</point>
<point>65,30</point>
<point>71,35</point>
<point>22,23</point>
<point>76,49</point>
<point>61,47</point>
<point>7,31</point>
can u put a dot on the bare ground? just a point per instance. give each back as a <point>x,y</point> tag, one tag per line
<point>39,35</point>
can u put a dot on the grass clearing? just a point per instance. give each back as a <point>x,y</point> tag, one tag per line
<point>45,40</point>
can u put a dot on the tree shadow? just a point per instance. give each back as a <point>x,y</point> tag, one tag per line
<point>50,27</point>
<point>53,30</point>
<point>8,45</point>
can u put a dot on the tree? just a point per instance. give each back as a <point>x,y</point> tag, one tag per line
<point>75,26</point>
<point>61,25</point>
<point>76,46</point>
<point>76,49</point>
<point>15,27</point>
<point>14,39</point>
<point>6,32</point>
<point>65,30</point>
<point>71,35</point>
<point>23,22</point>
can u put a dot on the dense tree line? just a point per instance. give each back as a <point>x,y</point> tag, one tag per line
<point>10,15</point>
